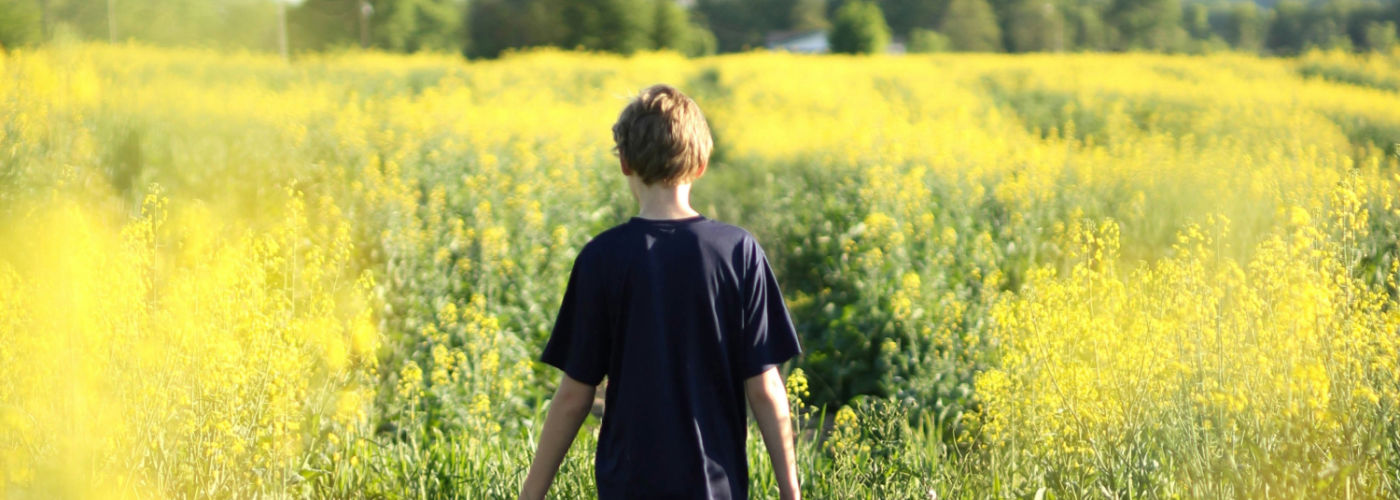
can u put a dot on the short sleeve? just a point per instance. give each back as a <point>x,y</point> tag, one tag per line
<point>579,343</point>
<point>768,333</point>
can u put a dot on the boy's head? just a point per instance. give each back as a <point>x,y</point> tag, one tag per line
<point>662,137</point>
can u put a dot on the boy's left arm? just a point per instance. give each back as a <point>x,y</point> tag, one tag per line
<point>570,406</point>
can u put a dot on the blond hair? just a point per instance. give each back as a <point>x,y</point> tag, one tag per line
<point>662,136</point>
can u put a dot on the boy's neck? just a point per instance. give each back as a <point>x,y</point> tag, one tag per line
<point>662,202</point>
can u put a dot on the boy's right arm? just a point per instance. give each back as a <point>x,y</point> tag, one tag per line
<point>566,413</point>
<point>769,402</point>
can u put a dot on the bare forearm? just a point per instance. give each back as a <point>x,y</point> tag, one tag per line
<point>768,399</point>
<point>566,414</point>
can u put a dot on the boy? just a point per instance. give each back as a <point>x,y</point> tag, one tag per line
<point>683,316</point>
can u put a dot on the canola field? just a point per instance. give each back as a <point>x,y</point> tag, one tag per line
<point>1039,276</point>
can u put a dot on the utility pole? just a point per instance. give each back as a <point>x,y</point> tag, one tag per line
<point>112,21</point>
<point>365,11</point>
<point>282,28</point>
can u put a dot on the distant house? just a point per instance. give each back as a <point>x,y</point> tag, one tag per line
<point>802,42</point>
<point>813,42</point>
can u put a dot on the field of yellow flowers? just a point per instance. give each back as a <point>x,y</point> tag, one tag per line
<point>226,275</point>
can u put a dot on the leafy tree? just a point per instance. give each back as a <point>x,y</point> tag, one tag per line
<point>1326,25</point>
<point>1245,27</point>
<point>322,24</point>
<point>1034,25</point>
<point>906,15</point>
<point>413,25</point>
<point>922,41</point>
<point>674,30</point>
<point>622,26</point>
<point>496,25</point>
<point>700,43</point>
<point>1197,21</point>
<point>859,28</point>
<point>671,27</point>
<point>971,25</point>
<point>1380,36</point>
<point>1286,32</point>
<point>20,21</point>
<point>809,15</point>
<point>1146,24</point>
<point>734,26</point>
<point>1090,32</point>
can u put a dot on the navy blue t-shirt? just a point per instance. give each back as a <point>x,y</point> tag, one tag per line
<point>677,314</point>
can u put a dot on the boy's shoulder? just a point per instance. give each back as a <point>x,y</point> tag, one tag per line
<point>710,232</point>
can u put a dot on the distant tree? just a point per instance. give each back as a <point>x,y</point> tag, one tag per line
<point>1197,21</point>
<point>971,25</point>
<point>859,28</point>
<point>1286,31</point>
<point>1034,25</point>
<point>735,23</point>
<point>1090,32</point>
<point>673,30</point>
<point>1326,25</point>
<point>622,26</point>
<point>1381,36</point>
<point>496,25</point>
<point>20,23</point>
<point>1146,24</point>
<point>322,24</point>
<point>413,25</point>
<point>771,15</point>
<point>923,41</point>
<point>700,43</point>
<point>808,15</point>
<point>1245,28</point>
<point>671,27</point>
<point>904,16</point>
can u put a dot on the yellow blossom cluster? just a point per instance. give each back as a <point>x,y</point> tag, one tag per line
<point>175,353</point>
<point>1285,361</point>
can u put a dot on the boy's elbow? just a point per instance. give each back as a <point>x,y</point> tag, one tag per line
<point>573,396</point>
<point>766,389</point>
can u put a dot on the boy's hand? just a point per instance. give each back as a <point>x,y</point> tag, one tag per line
<point>768,399</point>
<point>566,412</point>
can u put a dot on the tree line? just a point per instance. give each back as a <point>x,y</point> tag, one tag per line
<point>486,28</point>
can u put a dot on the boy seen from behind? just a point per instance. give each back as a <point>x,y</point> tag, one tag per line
<point>683,316</point>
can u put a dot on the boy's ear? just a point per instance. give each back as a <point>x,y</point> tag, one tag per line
<point>703,165</point>
<point>621,160</point>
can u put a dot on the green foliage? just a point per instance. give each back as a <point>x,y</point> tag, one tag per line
<point>808,15</point>
<point>859,28</point>
<point>1035,26</point>
<point>413,25</point>
<point>906,15</point>
<point>486,28</point>
<point>673,30</point>
<point>1245,27</point>
<point>622,26</point>
<point>1286,31</point>
<point>1146,24</point>
<point>925,41</point>
<point>324,24</point>
<point>1380,36</point>
<point>971,25</point>
<point>734,25</point>
<point>19,23</point>
<point>1197,21</point>
<point>497,25</point>
<point>701,42</point>
<point>1088,28</point>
